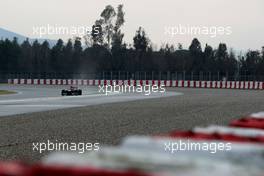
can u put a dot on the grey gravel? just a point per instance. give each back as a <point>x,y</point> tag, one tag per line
<point>109,123</point>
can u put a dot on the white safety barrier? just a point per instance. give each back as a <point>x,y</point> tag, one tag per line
<point>259,115</point>
<point>168,83</point>
<point>229,130</point>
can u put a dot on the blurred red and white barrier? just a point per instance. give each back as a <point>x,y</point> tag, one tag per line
<point>168,83</point>
<point>162,156</point>
<point>252,121</point>
<point>14,169</point>
<point>242,132</point>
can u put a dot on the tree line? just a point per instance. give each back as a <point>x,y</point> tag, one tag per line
<point>106,51</point>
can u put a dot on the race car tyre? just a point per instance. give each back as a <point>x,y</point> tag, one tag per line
<point>63,93</point>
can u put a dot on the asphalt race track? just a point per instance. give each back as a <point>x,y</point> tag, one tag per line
<point>43,98</point>
<point>107,120</point>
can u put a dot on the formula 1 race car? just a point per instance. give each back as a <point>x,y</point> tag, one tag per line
<point>71,92</point>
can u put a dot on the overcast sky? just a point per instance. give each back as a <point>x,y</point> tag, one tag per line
<point>245,17</point>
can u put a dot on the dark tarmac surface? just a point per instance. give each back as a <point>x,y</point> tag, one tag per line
<point>109,123</point>
<point>43,98</point>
